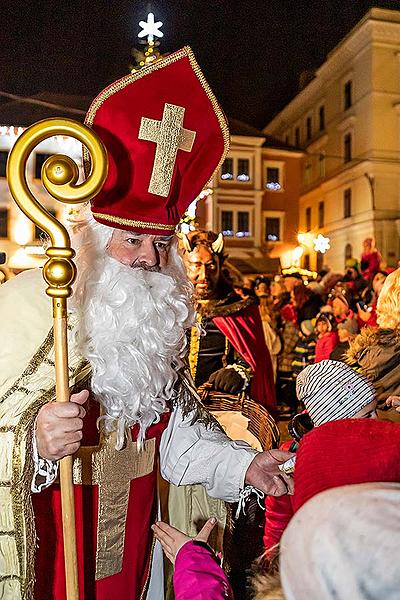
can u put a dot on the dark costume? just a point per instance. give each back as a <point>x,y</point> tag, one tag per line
<point>233,334</point>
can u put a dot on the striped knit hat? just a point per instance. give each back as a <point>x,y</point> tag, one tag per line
<point>332,390</point>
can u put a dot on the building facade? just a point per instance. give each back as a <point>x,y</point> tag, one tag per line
<point>347,120</point>
<point>254,199</point>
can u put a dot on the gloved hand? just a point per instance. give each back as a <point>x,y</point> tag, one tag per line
<point>226,380</point>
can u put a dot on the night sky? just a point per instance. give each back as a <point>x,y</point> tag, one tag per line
<point>251,52</point>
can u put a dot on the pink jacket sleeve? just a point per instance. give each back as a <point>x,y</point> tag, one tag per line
<point>198,576</point>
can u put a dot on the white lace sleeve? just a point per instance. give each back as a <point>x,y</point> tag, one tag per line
<point>45,471</point>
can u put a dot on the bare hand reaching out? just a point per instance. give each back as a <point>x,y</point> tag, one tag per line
<point>172,539</point>
<point>394,402</point>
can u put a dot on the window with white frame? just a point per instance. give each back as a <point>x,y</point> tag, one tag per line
<point>235,222</point>
<point>273,176</point>
<point>273,226</point>
<point>237,168</point>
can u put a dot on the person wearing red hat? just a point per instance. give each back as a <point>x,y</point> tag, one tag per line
<point>133,404</point>
<point>345,532</point>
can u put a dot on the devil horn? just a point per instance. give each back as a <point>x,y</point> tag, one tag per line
<point>185,241</point>
<point>218,245</point>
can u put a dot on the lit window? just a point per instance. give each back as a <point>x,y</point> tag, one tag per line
<point>273,181</point>
<point>243,219</point>
<point>227,223</point>
<point>227,169</point>
<point>39,162</point>
<point>243,170</point>
<point>3,223</point>
<point>272,229</point>
<point>3,162</point>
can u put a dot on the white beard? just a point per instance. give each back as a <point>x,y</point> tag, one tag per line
<point>132,325</point>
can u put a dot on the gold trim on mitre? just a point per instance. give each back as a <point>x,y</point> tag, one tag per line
<point>160,64</point>
<point>133,222</point>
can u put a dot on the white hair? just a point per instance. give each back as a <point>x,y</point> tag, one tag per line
<point>132,329</point>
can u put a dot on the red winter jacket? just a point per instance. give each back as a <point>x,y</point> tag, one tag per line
<point>325,345</point>
<point>278,512</point>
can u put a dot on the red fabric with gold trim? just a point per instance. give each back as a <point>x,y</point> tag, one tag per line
<point>165,135</point>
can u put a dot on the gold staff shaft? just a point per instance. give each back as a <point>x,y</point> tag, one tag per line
<point>59,176</point>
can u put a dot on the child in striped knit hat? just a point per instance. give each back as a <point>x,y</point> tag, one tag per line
<point>330,390</point>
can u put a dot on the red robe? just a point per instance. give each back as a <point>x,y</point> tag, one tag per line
<point>245,332</point>
<point>142,512</point>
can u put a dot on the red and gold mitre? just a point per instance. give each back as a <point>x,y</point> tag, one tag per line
<point>165,135</point>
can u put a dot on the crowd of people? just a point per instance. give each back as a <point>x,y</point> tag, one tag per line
<point>306,321</point>
<point>333,344</point>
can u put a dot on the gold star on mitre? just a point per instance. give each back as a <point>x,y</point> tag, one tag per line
<point>170,136</point>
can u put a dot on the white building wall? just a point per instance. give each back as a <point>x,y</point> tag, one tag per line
<point>370,57</point>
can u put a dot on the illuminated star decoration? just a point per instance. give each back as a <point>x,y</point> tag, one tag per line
<point>321,244</point>
<point>150,28</point>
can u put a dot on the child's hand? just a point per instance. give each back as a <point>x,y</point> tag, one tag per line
<point>394,402</point>
<point>172,539</point>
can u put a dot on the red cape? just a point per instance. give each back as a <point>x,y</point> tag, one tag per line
<point>245,332</point>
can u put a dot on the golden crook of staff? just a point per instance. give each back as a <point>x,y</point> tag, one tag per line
<point>59,176</point>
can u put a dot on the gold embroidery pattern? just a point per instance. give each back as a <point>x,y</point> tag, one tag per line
<point>194,348</point>
<point>121,83</point>
<point>25,533</point>
<point>112,470</point>
<point>134,223</point>
<point>26,393</point>
<point>169,135</point>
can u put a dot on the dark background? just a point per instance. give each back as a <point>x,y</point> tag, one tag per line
<point>252,53</point>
